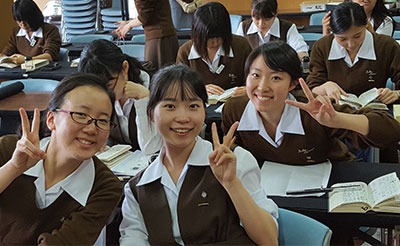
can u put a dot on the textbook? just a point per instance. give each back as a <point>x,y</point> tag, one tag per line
<point>34,64</point>
<point>213,99</point>
<point>381,195</point>
<point>5,61</point>
<point>366,99</point>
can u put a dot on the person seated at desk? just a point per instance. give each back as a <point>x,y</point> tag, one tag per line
<point>33,37</point>
<point>220,197</point>
<point>265,26</point>
<point>53,190</point>
<point>214,52</point>
<point>127,79</point>
<point>352,59</point>
<point>273,128</point>
<point>378,16</point>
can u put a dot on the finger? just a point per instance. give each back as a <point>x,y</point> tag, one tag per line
<point>229,136</point>
<point>36,121</point>
<point>336,96</point>
<point>216,88</point>
<point>211,157</point>
<point>225,158</point>
<point>342,92</point>
<point>299,105</point>
<point>306,90</point>
<point>214,134</point>
<point>24,122</point>
<point>118,23</point>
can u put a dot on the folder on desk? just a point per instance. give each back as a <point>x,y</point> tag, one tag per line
<point>278,178</point>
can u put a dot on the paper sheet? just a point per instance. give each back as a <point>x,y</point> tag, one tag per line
<point>277,178</point>
<point>132,164</point>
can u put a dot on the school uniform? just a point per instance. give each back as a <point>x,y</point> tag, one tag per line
<point>226,70</point>
<point>44,40</point>
<point>384,27</point>
<point>196,210</point>
<point>377,60</point>
<point>161,43</point>
<point>71,212</point>
<point>280,30</point>
<point>299,138</point>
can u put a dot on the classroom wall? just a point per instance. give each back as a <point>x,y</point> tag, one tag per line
<point>7,22</point>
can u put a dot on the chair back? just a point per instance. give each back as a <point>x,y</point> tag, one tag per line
<point>34,84</point>
<point>396,19</point>
<point>310,36</point>
<point>316,19</point>
<point>64,54</point>
<point>134,50</point>
<point>87,38</point>
<point>298,229</point>
<point>235,21</point>
<point>396,35</point>
<point>138,38</point>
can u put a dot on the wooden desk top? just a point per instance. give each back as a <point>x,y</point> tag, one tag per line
<point>28,100</point>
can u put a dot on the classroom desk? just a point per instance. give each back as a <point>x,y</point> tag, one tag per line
<point>9,115</point>
<point>317,207</point>
<point>18,73</point>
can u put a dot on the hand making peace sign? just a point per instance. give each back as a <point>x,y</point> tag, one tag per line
<point>28,152</point>
<point>222,160</point>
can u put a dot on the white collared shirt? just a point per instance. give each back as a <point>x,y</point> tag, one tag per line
<point>133,230</point>
<point>386,26</point>
<point>213,67</point>
<point>366,51</point>
<point>78,184</point>
<point>290,122</point>
<point>293,37</point>
<point>38,33</point>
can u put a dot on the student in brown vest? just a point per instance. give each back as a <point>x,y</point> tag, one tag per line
<point>33,37</point>
<point>378,16</point>
<point>128,80</point>
<point>352,59</point>
<point>161,43</point>
<point>53,191</point>
<point>214,52</point>
<point>272,128</point>
<point>265,26</point>
<point>195,192</point>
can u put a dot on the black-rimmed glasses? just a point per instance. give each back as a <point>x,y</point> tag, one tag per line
<point>85,119</point>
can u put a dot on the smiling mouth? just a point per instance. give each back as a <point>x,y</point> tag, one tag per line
<point>83,141</point>
<point>263,98</point>
<point>181,130</point>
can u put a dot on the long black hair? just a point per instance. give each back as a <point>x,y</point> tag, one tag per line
<point>29,12</point>
<point>346,15</point>
<point>264,8</point>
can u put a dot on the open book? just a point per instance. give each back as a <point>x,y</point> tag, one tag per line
<point>213,99</point>
<point>112,155</point>
<point>367,99</point>
<point>34,64</point>
<point>5,61</point>
<point>380,195</point>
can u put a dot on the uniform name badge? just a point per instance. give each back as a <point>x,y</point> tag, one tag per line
<point>33,42</point>
<point>220,68</point>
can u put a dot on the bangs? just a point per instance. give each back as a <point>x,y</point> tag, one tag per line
<point>263,10</point>
<point>181,90</point>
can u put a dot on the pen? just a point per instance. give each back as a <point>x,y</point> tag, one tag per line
<point>317,190</point>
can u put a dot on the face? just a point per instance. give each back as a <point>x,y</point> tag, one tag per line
<point>117,85</point>
<point>263,24</point>
<point>214,43</point>
<point>24,25</point>
<point>368,5</point>
<point>267,88</point>
<point>352,39</point>
<point>78,141</point>
<point>179,122</point>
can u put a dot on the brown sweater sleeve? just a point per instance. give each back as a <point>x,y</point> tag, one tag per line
<point>7,147</point>
<point>318,70</point>
<point>84,226</point>
<point>394,50</point>
<point>183,53</point>
<point>11,47</point>
<point>146,10</point>
<point>52,41</point>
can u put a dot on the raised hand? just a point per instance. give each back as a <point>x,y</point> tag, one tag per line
<point>333,90</point>
<point>222,160</point>
<point>320,108</point>
<point>326,21</point>
<point>135,90</point>
<point>27,152</point>
<point>123,28</point>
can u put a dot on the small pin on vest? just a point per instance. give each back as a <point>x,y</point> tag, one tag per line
<point>204,194</point>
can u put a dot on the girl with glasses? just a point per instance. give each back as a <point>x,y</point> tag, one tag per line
<point>195,192</point>
<point>53,190</point>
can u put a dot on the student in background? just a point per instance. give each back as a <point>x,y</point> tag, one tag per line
<point>53,190</point>
<point>212,182</point>
<point>352,59</point>
<point>214,52</point>
<point>265,26</point>
<point>161,41</point>
<point>180,19</point>
<point>273,128</point>
<point>33,37</point>
<point>127,79</point>
<point>378,16</point>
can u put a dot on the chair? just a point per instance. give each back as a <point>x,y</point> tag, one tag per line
<point>235,21</point>
<point>396,35</point>
<point>139,38</point>
<point>309,36</point>
<point>298,229</point>
<point>134,50</point>
<point>34,84</point>
<point>87,38</point>
<point>396,18</point>
<point>64,54</point>
<point>316,19</point>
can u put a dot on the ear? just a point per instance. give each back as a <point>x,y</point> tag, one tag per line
<point>125,68</point>
<point>293,84</point>
<point>50,121</point>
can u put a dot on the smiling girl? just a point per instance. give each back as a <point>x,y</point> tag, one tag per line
<point>195,192</point>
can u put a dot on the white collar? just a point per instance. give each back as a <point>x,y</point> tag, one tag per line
<point>193,54</point>
<point>367,50</point>
<point>290,122</point>
<point>38,33</point>
<point>78,184</point>
<point>274,30</point>
<point>198,157</point>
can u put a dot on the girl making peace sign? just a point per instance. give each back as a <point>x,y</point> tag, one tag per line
<point>194,193</point>
<point>53,190</point>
